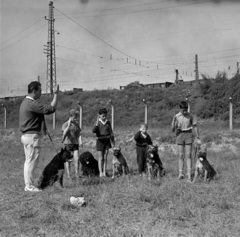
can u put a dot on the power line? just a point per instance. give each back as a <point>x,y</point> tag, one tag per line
<point>23,38</point>
<point>95,35</point>
<point>22,31</point>
<point>117,8</point>
<point>155,9</point>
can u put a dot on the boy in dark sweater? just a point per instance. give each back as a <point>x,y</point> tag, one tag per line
<point>105,137</point>
<point>142,139</point>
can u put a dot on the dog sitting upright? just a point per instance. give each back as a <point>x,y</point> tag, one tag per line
<point>119,163</point>
<point>203,166</point>
<point>154,163</point>
<point>89,164</point>
<point>54,170</point>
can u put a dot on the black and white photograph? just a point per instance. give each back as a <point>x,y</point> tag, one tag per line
<point>120,118</point>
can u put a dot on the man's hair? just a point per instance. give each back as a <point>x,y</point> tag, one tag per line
<point>34,85</point>
<point>103,111</point>
<point>183,105</point>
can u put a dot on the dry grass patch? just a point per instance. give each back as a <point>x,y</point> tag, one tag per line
<point>125,206</point>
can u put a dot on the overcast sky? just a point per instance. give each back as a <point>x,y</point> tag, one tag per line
<point>147,39</point>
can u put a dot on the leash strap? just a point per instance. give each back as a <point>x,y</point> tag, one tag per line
<point>47,132</point>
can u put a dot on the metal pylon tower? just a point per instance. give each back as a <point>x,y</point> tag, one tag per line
<point>49,49</point>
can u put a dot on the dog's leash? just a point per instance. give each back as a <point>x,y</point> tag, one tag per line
<point>47,132</point>
<point>196,152</point>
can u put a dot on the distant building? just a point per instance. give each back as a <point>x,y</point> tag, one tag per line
<point>77,89</point>
<point>153,85</point>
<point>159,85</point>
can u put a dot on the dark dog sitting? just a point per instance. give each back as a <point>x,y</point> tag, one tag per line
<point>54,170</point>
<point>119,163</point>
<point>203,166</point>
<point>89,164</point>
<point>154,163</point>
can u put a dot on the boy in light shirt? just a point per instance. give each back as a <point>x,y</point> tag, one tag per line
<point>184,123</point>
<point>72,139</point>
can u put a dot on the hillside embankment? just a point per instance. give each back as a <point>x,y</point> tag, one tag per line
<point>208,99</point>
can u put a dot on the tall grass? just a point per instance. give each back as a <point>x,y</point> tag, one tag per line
<point>126,206</point>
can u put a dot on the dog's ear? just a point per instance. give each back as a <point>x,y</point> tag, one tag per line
<point>119,148</point>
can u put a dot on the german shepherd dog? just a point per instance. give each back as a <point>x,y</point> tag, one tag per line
<point>154,163</point>
<point>203,167</point>
<point>54,170</point>
<point>119,163</point>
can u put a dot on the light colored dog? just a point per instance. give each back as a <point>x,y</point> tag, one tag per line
<point>203,167</point>
<point>154,163</point>
<point>119,163</point>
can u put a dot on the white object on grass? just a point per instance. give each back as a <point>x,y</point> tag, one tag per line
<point>78,201</point>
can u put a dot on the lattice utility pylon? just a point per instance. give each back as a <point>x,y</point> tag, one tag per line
<point>49,49</point>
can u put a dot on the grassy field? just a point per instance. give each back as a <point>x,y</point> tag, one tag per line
<point>126,206</point>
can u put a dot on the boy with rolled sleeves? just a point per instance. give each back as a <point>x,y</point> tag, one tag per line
<point>183,124</point>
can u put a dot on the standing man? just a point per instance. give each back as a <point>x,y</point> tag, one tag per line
<point>32,125</point>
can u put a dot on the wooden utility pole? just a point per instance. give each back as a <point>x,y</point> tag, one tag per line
<point>230,113</point>
<point>5,115</point>
<point>176,80</point>
<point>112,106</point>
<point>146,111</point>
<point>196,68</point>
<point>189,109</point>
<point>80,115</point>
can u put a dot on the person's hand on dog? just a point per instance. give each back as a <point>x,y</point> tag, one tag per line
<point>199,142</point>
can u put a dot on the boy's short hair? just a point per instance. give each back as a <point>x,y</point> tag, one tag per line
<point>73,112</point>
<point>183,104</point>
<point>103,111</point>
<point>144,125</point>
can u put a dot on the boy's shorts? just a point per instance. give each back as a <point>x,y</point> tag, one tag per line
<point>184,137</point>
<point>72,147</point>
<point>103,144</point>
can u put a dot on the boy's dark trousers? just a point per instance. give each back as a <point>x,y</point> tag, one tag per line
<point>141,158</point>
